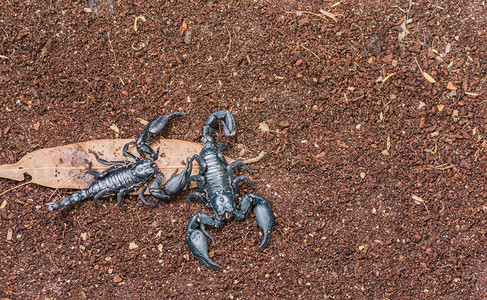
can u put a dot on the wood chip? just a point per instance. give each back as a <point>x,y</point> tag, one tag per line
<point>115,128</point>
<point>142,18</point>
<point>183,28</point>
<point>4,203</point>
<point>341,144</point>
<point>451,86</point>
<point>117,278</point>
<point>9,234</point>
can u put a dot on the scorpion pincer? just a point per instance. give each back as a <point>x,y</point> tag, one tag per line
<point>218,190</point>
<point>125,177</point>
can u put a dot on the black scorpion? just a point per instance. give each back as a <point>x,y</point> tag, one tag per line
<point>218,190</point>
<point>125,177</point>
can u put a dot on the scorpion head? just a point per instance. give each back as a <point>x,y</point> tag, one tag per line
<point>223,204</point>
<point>145,168</point>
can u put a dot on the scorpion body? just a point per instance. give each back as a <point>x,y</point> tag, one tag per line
<point>218,190</point>
<point>125,177</point>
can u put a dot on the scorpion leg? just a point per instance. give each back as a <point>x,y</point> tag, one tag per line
<point>142,198</point>
<point>127,153</point>
<point>229,127</point>
<point>200,181</point>
<point>263,214</point>
<point>120,194</point>
<point>236,164</point>
<point>108,163</point>
<point>239,163</point>
<point>153,127</point>
<point>97,196</point>
<point>239,179</point>
<point>196,237</point>
<point>200,197</point>
<point>100,174</point>
<point>173,185</point>
<point>201,164</point>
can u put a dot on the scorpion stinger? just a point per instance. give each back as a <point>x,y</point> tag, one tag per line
<point>125,177</point>
<point>218,190</point>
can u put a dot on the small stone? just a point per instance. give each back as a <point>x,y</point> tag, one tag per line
<point>159,247</point>
<point>264,127</point>
<point>385,152</point>
<point>115,128</point>
<point>133,245</point>
<point>362,175</point>
<point>387,59</point>
<point>117,278</point>
<point>284,124</point>
<point>299,75</point>
<point>303,21</point>
<point>9,234</point>
<point>84,236</point>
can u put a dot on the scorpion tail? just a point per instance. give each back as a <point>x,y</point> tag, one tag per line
<point>76,197</point>
<point>229,127</point>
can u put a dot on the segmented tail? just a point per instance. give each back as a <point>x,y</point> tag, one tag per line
<point>76,197</point>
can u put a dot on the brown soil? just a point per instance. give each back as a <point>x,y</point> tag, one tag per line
<point>375,175</point>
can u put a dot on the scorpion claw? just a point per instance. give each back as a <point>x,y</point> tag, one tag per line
<point>265,219</point>
<point>263,214</point>
<point>199,247</point>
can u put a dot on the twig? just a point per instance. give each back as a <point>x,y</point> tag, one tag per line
<point>229,43</point>
<point>308,50</point>
<point>309,13</point>
<point>444,167</point>
<point>113,50</point>
<point>15,187</point>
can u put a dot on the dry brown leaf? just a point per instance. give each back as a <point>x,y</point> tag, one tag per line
<point>328,14</point>
<point>425,75</point>
<point>67,166</point>
<point>404,31</point>
<point>428,77</point>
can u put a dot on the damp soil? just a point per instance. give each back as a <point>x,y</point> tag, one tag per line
<point>376,175</point>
